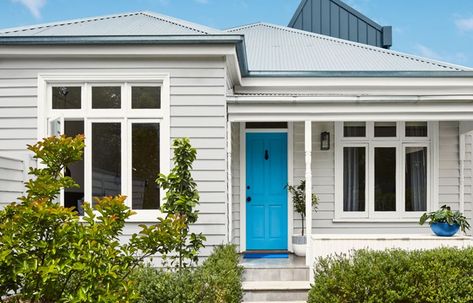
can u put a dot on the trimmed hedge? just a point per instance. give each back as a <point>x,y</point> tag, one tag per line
<point>217,280</point>
<point>439,275</point>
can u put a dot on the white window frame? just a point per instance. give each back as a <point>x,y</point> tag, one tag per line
<point>400,142</point>
<point>126,116</point>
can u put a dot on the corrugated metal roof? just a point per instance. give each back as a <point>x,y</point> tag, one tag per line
<point>128,24</point>
<point>277,48</point>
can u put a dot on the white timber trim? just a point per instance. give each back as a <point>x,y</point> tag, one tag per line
<point>462,148</point>
<point>242,187</point>
<point>290,180</point>
<point>229,211</point>
<point>308,189</point>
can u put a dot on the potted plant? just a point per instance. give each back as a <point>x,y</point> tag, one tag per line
<point>445,222</point>
<point>299,242</point>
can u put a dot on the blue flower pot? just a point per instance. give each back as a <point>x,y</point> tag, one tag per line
<point>444,229</point>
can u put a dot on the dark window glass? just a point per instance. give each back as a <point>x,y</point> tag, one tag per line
<point>106,160</point>
<point>106,97</point>
<point>66,97</point>
<point>354,129</point>
<point>145,97</point>
<point>385,178</point>
<point>74,197</point>
<point>385,129</point>
<point>416,129</point>
<point>354,178</point>
<point>145,165</point>
<point>416,179</point>
<point>269,125</point>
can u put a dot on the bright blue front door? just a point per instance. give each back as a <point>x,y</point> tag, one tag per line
<point>266,193</point>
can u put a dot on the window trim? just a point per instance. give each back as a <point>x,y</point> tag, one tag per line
<point>123,115</point>
<point>400,143</point>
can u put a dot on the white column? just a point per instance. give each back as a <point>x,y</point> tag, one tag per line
<point>308,189</point>
<point>229,182</point>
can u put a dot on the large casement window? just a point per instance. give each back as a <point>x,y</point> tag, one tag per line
<point>126,125</point>
<point>383,169</point>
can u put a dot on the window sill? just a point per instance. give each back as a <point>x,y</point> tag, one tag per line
<point>377,220</point>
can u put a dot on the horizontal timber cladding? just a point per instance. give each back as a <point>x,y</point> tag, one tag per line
<point>12,175</point>
<point>323,181</point>
<point>197,111</point>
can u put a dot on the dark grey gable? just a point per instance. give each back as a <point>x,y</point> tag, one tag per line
<point>336,19</point>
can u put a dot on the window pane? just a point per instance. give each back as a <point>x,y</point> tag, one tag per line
<point>416,179</point>
<point>106,159</point>
<point>385,129</point>
<point>416,129</point>
<point>354,129</point>
<point>74,197</point>
<point>145,165</point>
<point>66,97</point>
<point>146,97</point>
<point>251,125</point>
<point>385,179</point>
<point>354,178</point>
<point>106,97</point>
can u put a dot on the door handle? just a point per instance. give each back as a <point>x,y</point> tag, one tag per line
<point>248,199</point>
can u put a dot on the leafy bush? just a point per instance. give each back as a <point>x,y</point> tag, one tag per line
<point>217,280</point>
<point>47,254</point>
<point>446,215</point>
<point>439,275</point>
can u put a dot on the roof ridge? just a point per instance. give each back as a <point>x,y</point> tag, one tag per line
<point>240,27</point>
<point>175,21</point>
<point>360,45</point>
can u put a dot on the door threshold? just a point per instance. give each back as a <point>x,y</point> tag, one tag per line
<point>266,254</point>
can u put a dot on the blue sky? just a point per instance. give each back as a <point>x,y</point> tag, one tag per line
<point>438,29</point>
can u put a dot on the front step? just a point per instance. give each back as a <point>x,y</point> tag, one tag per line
<point>275,280</point>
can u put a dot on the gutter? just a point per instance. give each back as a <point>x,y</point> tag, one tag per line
<point>361,74</point>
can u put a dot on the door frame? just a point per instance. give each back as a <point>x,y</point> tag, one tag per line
<point>290,174</point>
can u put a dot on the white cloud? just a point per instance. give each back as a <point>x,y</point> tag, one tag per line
<point>34,6</point>
<point>202,1</point>
<point>464,24</point>
<point>455,57</point>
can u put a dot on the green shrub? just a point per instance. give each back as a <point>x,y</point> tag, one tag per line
<point>217,280</point>
<point>439,275</point>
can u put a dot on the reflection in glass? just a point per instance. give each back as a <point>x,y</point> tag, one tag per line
<point>145,165</point>
<point>416,129</point>
<point>354,171</point>
<point>385,129</point>
<point>106,97</point>
<point>145,97</point>
<point>66,97</point>
<point>416,179</point>
<point>354,129</point>
<point>385,178</point>
<point>106,159</point>
<point>74,197</point>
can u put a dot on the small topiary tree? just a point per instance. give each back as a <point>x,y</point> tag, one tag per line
<point>181,199</point>
<point>49,254</point>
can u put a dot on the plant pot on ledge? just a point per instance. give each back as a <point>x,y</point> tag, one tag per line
<point>299,242</point>
<point>445,222</point>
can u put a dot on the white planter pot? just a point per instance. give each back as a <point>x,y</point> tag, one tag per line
<point>299,245</point>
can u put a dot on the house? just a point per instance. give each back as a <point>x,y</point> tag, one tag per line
<point>380,136</point>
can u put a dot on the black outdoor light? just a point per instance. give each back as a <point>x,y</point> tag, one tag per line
<point>325,141</point>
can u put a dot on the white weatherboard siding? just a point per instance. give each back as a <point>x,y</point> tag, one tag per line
<point>324,182</point>
<point>236,184</point>
<point>198,111</point>
<point>12,174</point>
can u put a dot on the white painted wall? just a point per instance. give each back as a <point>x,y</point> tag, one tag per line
<point>198,111</point>
<point>12,175</point>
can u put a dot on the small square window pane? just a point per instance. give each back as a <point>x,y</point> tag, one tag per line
<point>106,97</point>
<point>385,129</point>
<point>146,97</point>
<point>416,129</point>
<point>385,179</point>
<point>66,97</point>
<point>416,179</point>
<point>354,129</point>
<point>145,165</point>
<point>354,178</point>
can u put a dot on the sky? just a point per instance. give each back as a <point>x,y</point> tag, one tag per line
<point>437,29</point>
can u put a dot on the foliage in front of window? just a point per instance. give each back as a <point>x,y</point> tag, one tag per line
<point>298,199</point>
<point>47,254</point>
<point>217,280</point>
<point>446,215</point>
<point>439,275</point>
<point>181,200</point>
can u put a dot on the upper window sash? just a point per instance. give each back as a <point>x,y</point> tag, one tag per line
<point>370,133</point>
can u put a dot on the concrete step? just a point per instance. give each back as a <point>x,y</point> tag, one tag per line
<point>274,291</point>
<point>276,274</point>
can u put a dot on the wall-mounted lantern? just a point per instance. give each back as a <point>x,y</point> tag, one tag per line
<point>325,141</point>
